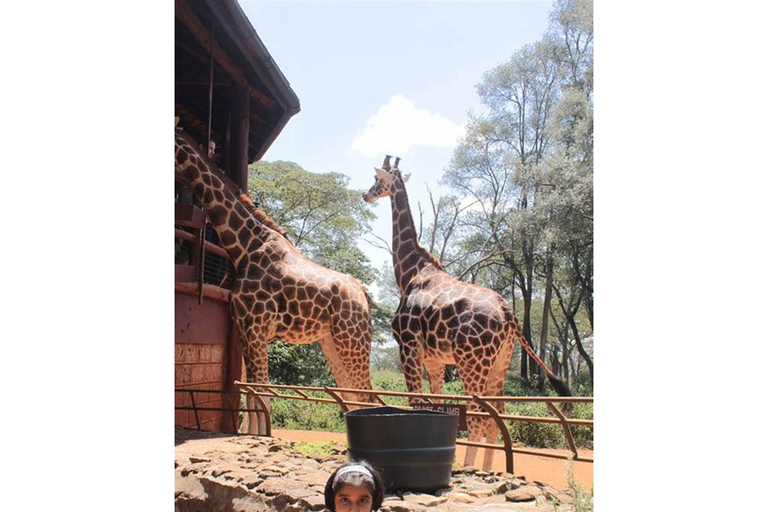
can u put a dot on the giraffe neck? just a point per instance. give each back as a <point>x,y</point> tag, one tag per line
<point>234,224</point>
<point>408,256</point>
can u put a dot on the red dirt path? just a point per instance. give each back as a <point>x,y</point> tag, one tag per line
<point>540,469</point>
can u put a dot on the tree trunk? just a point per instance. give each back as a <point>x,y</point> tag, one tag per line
<point>549,269</point>
<point>526,331</point>
<point>566,354</point>
<point>583,352</point>
<point>527,303</point>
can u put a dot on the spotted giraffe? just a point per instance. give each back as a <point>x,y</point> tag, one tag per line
<point>441,320</point>
<point>277,292</point>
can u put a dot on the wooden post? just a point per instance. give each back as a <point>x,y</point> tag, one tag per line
<point>240,129</point>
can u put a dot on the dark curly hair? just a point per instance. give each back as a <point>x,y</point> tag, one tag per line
<point>375,485</point>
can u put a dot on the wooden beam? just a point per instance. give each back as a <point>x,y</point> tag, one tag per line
<point>240,129</point>
<point>191,80</point>
<point>258,119</point>
<point>186,14</point>
<point>260,97</point>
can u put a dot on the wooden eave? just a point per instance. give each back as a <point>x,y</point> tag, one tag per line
<point>240,61</point>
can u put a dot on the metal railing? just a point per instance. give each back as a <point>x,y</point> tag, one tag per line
<point>261,391</point>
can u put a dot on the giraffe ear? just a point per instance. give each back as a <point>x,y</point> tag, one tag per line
<point>406,177</point>
<point>380,173</point>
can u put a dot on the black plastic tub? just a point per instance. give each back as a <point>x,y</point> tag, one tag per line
<point>414,448</point>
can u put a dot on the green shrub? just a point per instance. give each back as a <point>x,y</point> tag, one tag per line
<point>548,435</point>
<point>302,415</point>
<point>583,435</point>
<point>318,448</point>
<point>455,387</point>
<point>533,434</point>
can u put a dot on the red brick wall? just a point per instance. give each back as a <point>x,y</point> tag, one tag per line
<point>201,359</point>
<point>200,367</point>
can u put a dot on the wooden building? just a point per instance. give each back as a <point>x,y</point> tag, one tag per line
<point>229,92</point>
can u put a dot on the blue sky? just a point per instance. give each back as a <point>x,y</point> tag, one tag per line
<point>386,77</point>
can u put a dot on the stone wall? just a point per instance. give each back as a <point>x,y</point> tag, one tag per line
<point>259,474</point>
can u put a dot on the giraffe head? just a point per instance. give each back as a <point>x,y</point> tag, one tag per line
<point>386,177</point>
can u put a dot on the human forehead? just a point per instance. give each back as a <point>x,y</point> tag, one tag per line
<point>353,491</point>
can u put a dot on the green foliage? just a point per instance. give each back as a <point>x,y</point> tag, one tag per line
<point>318,448</point>
<point>390,381</point>
<point>455,387</point>
<point>298,365</point>
<point>515,386</point>
<point>544,435</point>
<point>535,434</point>
<point>385,358</point>
<point>548,435</point>
<point>582,500</point>
<point>527,159</point>
<point>302,415</point>
<point>323,218</point>
<point>381,316</point>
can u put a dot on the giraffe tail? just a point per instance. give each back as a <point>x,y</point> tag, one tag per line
<point>561,388</point>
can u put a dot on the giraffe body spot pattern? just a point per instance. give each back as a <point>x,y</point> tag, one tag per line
<point>278,293</point>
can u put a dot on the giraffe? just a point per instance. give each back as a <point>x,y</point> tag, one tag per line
<point>277,292</point>
<point>441,320</point>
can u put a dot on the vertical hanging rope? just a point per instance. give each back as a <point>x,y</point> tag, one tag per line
<point>210,86</point>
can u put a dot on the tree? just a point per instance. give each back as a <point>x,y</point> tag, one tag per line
<point>298,365</point>
<point>571,163</point>
<point>320,215</point>
<point>499,158</point>
<point>526,163</point>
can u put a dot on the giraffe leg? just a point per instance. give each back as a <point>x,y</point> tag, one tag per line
<point>338,363</point>
<point>495,387</point>
<point>435,374</point>
<point>483,374</point>
<point>411,360</point>
<point>258,420</point>
<point>475,428</point>
<point>255,358</point>
<point>358,361</point>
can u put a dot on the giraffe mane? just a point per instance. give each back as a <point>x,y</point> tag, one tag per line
<point>244,198</point>
<point>430,257</point>
<point>422,251</point>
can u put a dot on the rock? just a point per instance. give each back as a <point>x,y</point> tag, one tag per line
<point>460,497</point>
<point>313,502</point>
<point>291,497</point>
<point>482,489</point>
<point>271,487</point>
<point>424,499</point>
<point>189,489</point>
<point>396,505</point>
<point>522,494</point>
<point>220,491</point>
<point>251,474</point>
<point>249,504</point>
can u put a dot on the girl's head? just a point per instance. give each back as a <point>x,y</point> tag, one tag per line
<point>354,487</point>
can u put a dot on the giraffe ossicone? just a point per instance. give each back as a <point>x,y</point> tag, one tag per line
<point>278,293</point>
<point>441,320</point>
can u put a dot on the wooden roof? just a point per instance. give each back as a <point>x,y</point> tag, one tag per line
<point>241,66</point>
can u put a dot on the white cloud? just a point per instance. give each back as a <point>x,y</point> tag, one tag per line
<point>399,125</point>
